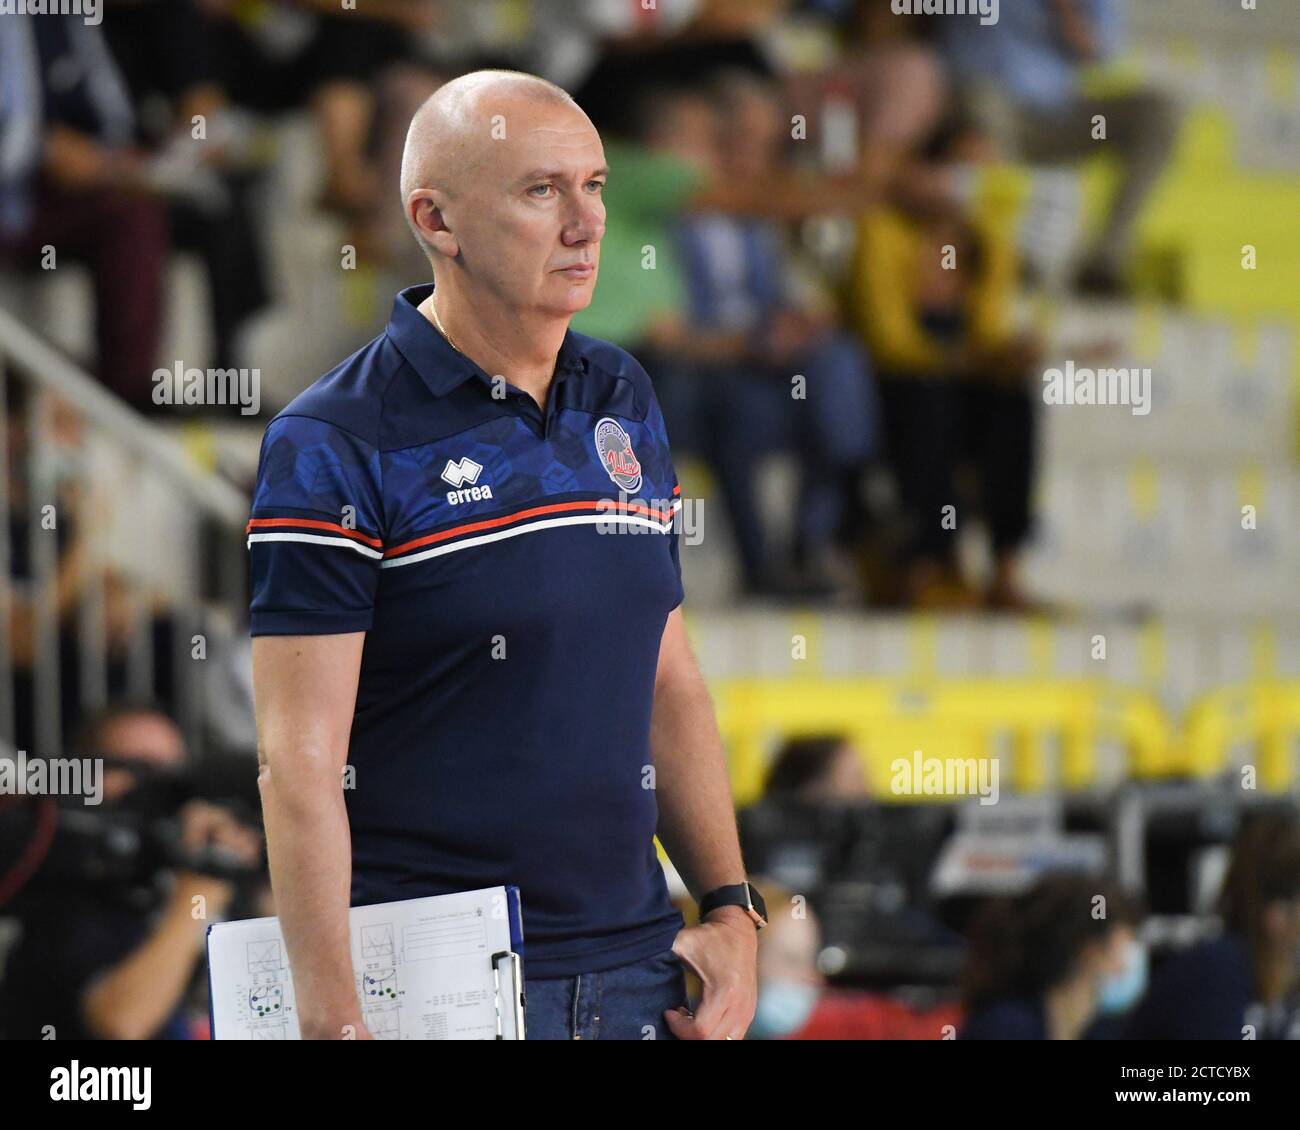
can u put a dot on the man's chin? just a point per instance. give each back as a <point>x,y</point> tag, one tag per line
<point>577,296</point>
<point>582,300</point>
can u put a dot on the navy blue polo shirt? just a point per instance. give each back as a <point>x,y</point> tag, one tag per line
<point>513,570</point>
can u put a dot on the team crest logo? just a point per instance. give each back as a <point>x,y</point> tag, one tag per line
<point>614,446</point>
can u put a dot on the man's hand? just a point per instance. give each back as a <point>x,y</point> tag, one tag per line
<point>697,827</point>
<point>723,953</point>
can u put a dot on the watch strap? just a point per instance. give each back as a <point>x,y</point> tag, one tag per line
<point>744,895</point>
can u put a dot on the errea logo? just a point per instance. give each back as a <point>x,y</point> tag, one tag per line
<point>458,474</point>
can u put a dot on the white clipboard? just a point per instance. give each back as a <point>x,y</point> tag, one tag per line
<point>444,967</point>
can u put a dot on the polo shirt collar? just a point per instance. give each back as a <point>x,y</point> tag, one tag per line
<point>442,367</point>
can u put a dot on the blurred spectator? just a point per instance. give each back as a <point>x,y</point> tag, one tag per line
<point>349,56</point>
<point>903,91</point>
<point>1020,79</point>
<point>666,165</point>
<point>361,71</point>
<point>794,1001</point>
<point>1249,974</point>
<point>742,285</point>
<point>105,955</point>
<point>641,294</point>
<point>79,574</point>
<point>73,182</point>
<point>817,770</point>
<point>646,47</point>
<point>164,49</point>
<point>1047,965</point>
<point>934,296</point>
<point>876,104</point>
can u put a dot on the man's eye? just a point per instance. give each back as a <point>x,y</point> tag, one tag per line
<point>535,187</point>
<point>597,183</point>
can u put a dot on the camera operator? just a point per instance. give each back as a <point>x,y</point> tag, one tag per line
<point>111,937</point>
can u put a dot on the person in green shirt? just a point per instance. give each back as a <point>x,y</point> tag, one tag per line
<point>640,278</point>
<point>669,168</point>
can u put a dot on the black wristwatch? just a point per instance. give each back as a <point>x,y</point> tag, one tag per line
<point>743,895</point>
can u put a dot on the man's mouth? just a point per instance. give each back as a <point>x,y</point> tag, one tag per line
<point>580,270</point>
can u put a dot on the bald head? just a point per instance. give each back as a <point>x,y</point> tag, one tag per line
<point>502,183</point>
<point>449,136</point>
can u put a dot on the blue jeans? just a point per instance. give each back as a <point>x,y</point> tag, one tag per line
<point>626,1003</point>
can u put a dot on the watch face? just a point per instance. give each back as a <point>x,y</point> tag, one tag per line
<point>757,900</point>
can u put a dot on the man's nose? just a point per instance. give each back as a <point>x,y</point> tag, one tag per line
<point>587,223</point>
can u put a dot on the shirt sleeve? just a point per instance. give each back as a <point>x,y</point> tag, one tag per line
<point>668,476</point>
<point>675,537</point>
<point>315,538</point>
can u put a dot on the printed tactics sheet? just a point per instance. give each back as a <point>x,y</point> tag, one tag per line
<point>423,970</point>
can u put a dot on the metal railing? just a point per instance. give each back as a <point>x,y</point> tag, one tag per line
<point>83,474</point>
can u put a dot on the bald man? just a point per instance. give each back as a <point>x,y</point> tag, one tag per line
<point>467,590</point>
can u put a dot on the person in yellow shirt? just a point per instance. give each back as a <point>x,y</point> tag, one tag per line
<point>932,295</point>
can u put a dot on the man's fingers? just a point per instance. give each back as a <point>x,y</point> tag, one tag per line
<point>712,1014</point>
<point>710,1022</point>
<point>722,1027</point>
<point>681,1024</point>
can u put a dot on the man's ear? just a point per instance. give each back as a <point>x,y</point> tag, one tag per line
<point>423,208</point>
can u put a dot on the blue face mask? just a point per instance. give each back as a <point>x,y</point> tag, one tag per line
<point>783,1008</point>
<point>1119,992</point>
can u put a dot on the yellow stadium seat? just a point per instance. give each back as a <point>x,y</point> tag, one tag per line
<point>1260,718</point>
<point>1052,731</point>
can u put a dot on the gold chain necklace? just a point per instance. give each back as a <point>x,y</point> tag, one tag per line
<point>438,322</point>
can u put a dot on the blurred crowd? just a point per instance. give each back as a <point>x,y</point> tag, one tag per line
<point>109,944</point>
<point>795,249</point>
<point>1070,954</point>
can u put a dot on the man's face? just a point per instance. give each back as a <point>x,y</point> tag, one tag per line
<point>530,218</point>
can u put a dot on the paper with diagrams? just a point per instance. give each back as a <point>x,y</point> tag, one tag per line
<point>438,968</point>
